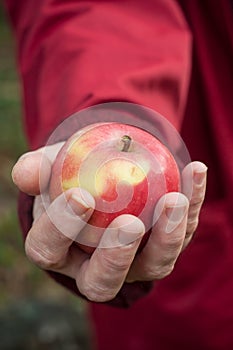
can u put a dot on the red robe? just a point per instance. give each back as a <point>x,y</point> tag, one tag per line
<point>175,57</point>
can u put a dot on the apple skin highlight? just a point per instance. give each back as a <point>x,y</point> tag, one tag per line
<point>125,168</point>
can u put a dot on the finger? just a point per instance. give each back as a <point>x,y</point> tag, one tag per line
<point>26,172</point>
<point>51,151</point>
<point>194,178</point>
<point>101,277</point>
<point>52,234</point>
<point>159,255</point>
<point>39,206</point>
<point>32,171</point>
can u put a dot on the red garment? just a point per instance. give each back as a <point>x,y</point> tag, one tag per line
<point>73,54</point>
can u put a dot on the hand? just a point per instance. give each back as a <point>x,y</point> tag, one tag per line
<point>101,275</point>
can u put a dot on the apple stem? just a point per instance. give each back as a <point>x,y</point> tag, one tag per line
<point>126,142</point>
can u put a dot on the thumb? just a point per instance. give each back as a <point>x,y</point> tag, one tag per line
<point>31,172</point>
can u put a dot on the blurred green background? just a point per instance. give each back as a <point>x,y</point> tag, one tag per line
<point>35,312</point>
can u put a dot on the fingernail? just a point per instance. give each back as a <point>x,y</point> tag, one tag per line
<point>199,172</point>
<point>175,216</point>
<point>13,175</point>
<point>129,233</point>
<point>80,204</point>
<point>199,178</point>
<point>25,155</point>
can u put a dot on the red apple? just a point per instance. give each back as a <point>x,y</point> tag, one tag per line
<point>125,168</point>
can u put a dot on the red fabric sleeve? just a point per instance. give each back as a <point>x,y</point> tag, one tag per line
<point>73,54</point>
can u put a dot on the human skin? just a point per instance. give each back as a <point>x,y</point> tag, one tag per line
<point>100,276</point>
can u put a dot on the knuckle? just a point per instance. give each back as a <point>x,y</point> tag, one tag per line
<point>174,244</point>
<point>191,227</point>
<point>96,293</point>
<point>194,209</point>
<point>160,272</point>
<point>41,258</point>
<point>119,262</point>
<point>165,271</point>
<point>197,201</point>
